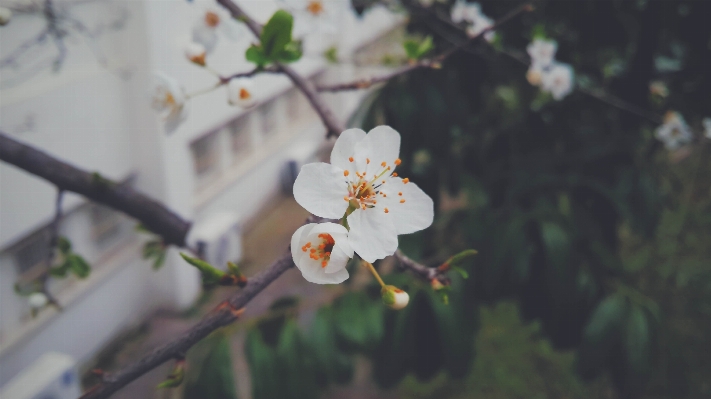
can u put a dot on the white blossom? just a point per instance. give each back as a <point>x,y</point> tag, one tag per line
<point>37,300</point>
<point>211,24</point>
<point>534,75</point>
<point>460,11</point>
<point>169,99</point>
<point>478,25</point>
<point>361,179</point>
<point>674,132</point>
<point>239,92</point>
<point>558,79</point>
<point>5,16</point>
<point>542,52</point>
<point>195,52</point>
<point>707,127</point>
<point>321,252</point>
<point>314,16</point>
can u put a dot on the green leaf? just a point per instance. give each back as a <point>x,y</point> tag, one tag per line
<point>291,53</point>
<point>160,260</point>
<point>331,55</point>
<point>415,49</point>
<point>255,54</point>
<point>638,345</point>
<point>64,245</point>
<point>461,272</point>
<point>601,335</point>
<point>78,266</point>
<point>276,34</point>
<point>210,275</point>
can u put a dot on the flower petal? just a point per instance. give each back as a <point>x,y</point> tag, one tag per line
<point>381,144</point>
<point>340,236</point>
<point>337,261</point>
<point>320,189</point>
<point>298,239</point>
<point>411,208</point>
<point>372,235</point>
<point>344,149</point>
<point>327,278</point>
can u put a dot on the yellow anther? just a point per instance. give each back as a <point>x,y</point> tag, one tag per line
<point>350,159</point>
<point>346,173</point>
<point>406,180</point>
<point>402,201</point>
<point>384,164</point>
<point>395,174</point>
<point>398,162</point>
<point>386,210</point>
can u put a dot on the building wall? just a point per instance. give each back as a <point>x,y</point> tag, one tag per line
<point>99,118</point>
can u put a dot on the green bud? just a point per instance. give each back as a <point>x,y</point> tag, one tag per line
<point>394,297</point>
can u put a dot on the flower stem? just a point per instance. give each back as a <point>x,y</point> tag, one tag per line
<point>375,273</point>
<point>203,91</point>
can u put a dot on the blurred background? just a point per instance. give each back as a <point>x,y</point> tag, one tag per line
<point>593,278</point>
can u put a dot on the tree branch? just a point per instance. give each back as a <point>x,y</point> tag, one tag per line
<point>333,125</point>
<point>435,62</point>
<point>152,214</point>
<point>420,270</point>
<point>225,314</point>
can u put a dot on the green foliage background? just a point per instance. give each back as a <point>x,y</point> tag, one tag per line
<point>593,247</point>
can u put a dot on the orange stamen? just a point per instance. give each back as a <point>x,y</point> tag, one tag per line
<point>395,174</point>
<point>384,164</point>
<point>402,201</point>
<point>406,180</point>
<point>350,159</point>
<point>398,162</point>
<point>367,160</point>
<point>346,173</point>
<point>386,210</point>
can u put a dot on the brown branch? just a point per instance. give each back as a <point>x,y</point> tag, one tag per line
<point>422,271</point>
<point>152,214</point>
<point>225,314</point>
<point>333,125</point>
<point>435,62</point>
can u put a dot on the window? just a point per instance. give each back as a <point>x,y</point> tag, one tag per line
<point>270,117</point>
<point>105,224</point>
<point>206,156</point>
<point>32,253</point>
<point>240,138</point>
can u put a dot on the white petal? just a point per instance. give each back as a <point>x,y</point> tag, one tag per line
<point>415,214</point>
<point>372,234</point>
<point>298,239</point>
<point>337,261</point>
<point>327,278</point>
<point>381,144</point>
<point>320,189</point>
<point>345,149</point>
<point>206,36</point>
<point>339,234</point>
<point>239,92</point>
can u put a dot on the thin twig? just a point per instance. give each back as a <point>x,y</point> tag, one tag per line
<point>422,271</point>
<point>333,125</point>
<point>434,62</point>
<point>53,241</point>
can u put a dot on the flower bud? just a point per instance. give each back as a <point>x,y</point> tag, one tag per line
<point>196,53</point>
<point>394,297</point>
<point>5,16</point>
<point>37,300</point>
<point>239,92</point>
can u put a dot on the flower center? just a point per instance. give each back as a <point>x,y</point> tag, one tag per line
<point>212,19</point>
<point>244,94</point>
<point>363,193</point>
<point>322,250</point>
<point>168,99</point>
<point>315,7</point>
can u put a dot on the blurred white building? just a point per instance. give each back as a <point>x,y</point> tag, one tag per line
<point>94,112</point>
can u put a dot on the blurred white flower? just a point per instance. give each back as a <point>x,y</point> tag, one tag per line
<point>360,180</point>
<point>37,300</point>
<point>674,132</point>
<point>478,25</point>
<point>321,252</point>
<point>460,11</point>
<point>707,127</point>
<point>534,74</point>
<point>542,52</point>
<point>169,99</point>
<point>195,53</point>
<point>239,92</point>
<point>558,79</point>
<point>658,88</point>
<point>314,16</point>
<point>212,22</point>
<point>394,297</point>
<point>5,16</point>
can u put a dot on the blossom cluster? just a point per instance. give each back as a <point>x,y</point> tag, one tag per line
<point>361,188</point>
<point>476,22</point>
<point>553,77</point>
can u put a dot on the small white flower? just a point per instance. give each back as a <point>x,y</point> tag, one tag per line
<point>542,52</point>
<point>314,16</point>
<point>5,16</point>
<point>195,52</point>
<point>361,179</point>
<point>707,127</point>
<point>239,92</point>
<point>558,79</point>
<point>460,11</point>
<point>37,300</point>
<point>214,21</point>
<point>394,297</point>
<point>674,132</point>
<point>478,25</point>
<point>169,99</point>
<point>534,74</point>
<point>321,252</point>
